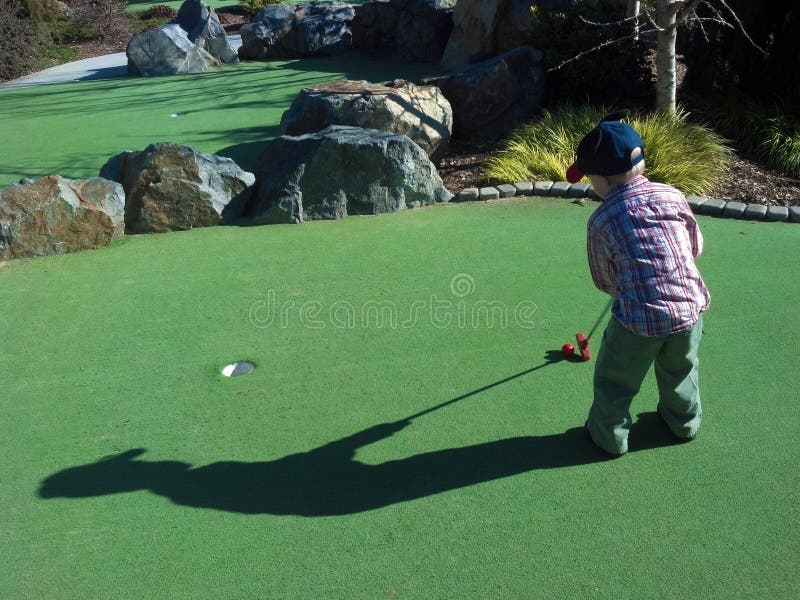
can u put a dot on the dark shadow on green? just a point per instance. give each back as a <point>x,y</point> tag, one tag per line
<point>247,154</point>
<point>356,66</point>
<point>649,432</point>
<point>115,72</point>
<point>328,480</point>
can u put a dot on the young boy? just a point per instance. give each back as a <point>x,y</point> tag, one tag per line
<point>641,243</point>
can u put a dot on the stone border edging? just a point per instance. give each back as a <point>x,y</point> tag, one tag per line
<point>702,206</point>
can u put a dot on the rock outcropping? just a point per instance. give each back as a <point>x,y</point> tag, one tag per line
<point>166,50</point>
<point>204,29</point>
<point>486,28</point>
<point>173,187</point>
<point>410,30</point>
<point>54,215</point>
<point>342,171</point>
<point>298,30</point>
<point>194,42</point>
<point>420,112</point>
<point>492,95</point>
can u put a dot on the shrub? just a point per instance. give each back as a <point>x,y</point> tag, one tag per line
<point>542,149</point>
<point>159,11</point>
<point>35,34</point>
<point>253,6</point>
<point>770,132</point>
<point>39,11</point>
<point>19,40</point>
<point>689,156</point>
<point>73,30</point>
<point>781,145</point>
<point>94,20</point>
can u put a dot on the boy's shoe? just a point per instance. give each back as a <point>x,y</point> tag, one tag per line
<point>588,435</point>
<point>681,439</point>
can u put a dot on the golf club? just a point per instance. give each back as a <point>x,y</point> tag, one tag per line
<point>583,341</point>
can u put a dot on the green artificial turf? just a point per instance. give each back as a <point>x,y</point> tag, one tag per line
<point>136,6</point>
<point>142,5</point>
<point>247,488</point>
<point>73,129</point>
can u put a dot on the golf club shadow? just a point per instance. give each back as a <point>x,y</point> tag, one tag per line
<point>327,480</point>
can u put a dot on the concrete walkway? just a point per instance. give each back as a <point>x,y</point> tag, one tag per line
<point>100,67</point>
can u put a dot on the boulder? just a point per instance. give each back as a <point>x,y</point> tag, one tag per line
<point>166,50</point>
<point>490,96</point>
<point>173,187</point>
<point>202,26</point>
<point>54,215</point>
<point>420,112</point>
<point>485,28</point>
<point>342,171</point>
<point>409,30</point>
<point>298,30</point>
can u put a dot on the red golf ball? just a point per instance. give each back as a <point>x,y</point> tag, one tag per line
<point>567,349</point>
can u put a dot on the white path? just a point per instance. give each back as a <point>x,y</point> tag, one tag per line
<point>101,67</point>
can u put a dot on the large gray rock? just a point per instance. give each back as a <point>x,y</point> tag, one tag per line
<point>485,28</point>
<point>166,50</point>
<point>54,215</point>
<point>492,95</point>
<point>173,187</point>
<point>342,171</point>
<point>411,30</point>
<point>420,112</point>
<point>203,28</point>
<point>298,30</point>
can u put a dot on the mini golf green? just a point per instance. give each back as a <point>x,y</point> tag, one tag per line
<point>142,5</point>
<point>73,129</point>
<point>132,468</point>
<point>136,6</point>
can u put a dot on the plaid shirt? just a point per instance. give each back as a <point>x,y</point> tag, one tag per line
<point>642,243</point>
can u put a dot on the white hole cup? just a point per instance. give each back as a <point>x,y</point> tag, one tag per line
<point>237,369</point>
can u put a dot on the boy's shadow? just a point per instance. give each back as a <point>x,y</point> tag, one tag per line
<point>328,480</point>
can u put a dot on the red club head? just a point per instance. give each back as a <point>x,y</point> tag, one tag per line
<point>583,346</point>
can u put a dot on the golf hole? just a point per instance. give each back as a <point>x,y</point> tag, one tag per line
<point>237,369</point>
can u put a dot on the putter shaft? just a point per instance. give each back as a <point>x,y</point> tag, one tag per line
<point>600,318</point>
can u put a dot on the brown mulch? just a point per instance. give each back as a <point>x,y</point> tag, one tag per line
<point>100,47</point>
<point>751,183</point>
<point>232,18</point>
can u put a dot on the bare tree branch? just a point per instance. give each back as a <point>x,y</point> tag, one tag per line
<point>687,12</point>
<point>741,27</point>
<point>722,23</point>
<point>608,24</point>
<point>598,47</point>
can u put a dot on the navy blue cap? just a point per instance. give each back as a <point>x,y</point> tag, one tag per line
<point>606,149</point>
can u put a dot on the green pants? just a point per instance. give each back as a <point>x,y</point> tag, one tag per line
<point>622,363</point>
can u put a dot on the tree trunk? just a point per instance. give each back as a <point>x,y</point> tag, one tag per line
<point>665,55</point>
<point>634,6</point>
